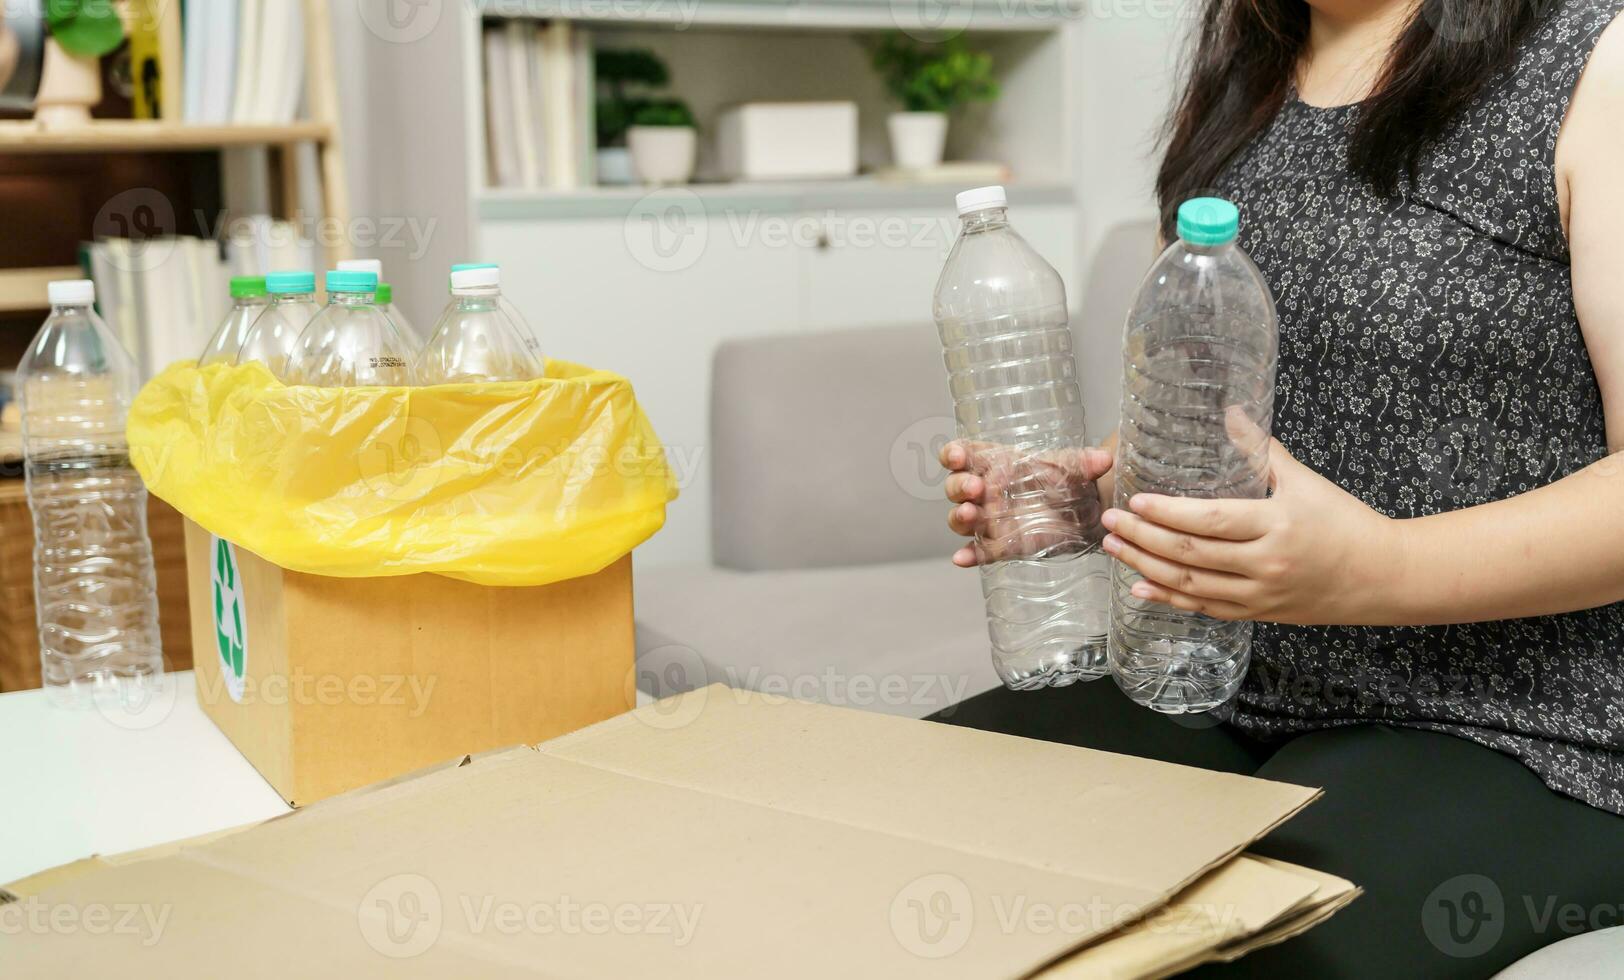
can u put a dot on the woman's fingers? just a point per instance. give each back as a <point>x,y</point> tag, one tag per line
<point>1229,519</point>
<point>964,519</point>
<point>965,488</point>
<point>1200,582</point>
<point>966,557</point>
<point>1186,549</point>
<point>1216,608</point>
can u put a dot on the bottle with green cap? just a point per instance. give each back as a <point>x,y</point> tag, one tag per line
<point>351,343</point>
<point>248,300</point>
<point>1197,403</point>
<point>274,337</point>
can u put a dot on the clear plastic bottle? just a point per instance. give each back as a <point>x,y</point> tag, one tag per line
<point>1001,312</point>
<point>248,301</point>
<point>386,300</point>
<point>351,343</point>
<point>531,338</point>
<point>274,337</point>
<point>95,591</point>
<point>474,340</point>
<point>1197,403</point>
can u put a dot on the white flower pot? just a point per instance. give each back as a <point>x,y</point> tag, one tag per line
<point>615,166</point>
<point>662,154</point>
<point>68,86</point>
<point>917,139</point>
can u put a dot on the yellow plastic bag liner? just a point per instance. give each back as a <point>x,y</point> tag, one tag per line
<point>512,483</point>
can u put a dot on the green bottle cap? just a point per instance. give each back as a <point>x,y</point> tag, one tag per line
<point>247,287</point>
<point>386,294</point>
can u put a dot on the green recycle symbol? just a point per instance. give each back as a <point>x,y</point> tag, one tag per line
<point>225,580</point>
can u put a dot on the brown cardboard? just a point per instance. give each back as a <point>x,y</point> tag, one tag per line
<point>350,681</point>
<point>779,838</point>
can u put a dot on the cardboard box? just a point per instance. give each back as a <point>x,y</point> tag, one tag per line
<point>327,684</point>
<point>19,628</point>
<point>716,834</point>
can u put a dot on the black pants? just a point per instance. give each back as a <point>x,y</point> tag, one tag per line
<point>1468,861</point>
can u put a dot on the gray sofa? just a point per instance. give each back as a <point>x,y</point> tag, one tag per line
<point>832,579</point>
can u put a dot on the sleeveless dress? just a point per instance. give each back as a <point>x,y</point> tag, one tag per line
<point>1431,359</point>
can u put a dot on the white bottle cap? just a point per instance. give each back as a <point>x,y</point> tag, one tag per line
<point>71,292</point>
<point>373,266</point>
<point>482,278</point>
<point>981,199</point>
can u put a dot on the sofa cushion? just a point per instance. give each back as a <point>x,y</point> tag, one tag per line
<point>1591,956</point>
<point>904,639</point>
<point>823,449</point>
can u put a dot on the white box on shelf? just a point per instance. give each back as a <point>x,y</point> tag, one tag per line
<point>787,140</point>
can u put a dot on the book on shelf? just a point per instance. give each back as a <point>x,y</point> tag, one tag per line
<point>538,105</point>
<point>156,58</point>
<point>239,61</point>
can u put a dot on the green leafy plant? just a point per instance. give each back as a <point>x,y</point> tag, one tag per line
<point>87,28</point>
<point>626,81</point>
<point>933,77</point>
<point>664,112</point>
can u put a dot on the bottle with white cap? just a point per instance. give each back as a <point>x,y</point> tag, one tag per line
<point>351,343</point>
<point>274,337</point>
<point>1001,312</point>
<point>475,341</point>
<point>95,591</point>
<point>385,299</point>
<point>531,339</point>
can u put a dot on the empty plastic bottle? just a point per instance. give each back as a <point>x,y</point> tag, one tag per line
<point>474,340</point>
<point>1197,404</point>
<point>95,591</point>
<point>351,342</point>
<point>531,338</point>
<point>1001,312</point>
<point>274,337</point>
<point>248,300</point>
<point>386,299</point>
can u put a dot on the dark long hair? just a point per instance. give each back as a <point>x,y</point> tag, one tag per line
<point>1245,60</point>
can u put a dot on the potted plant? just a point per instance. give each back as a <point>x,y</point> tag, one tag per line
<point>70,78</point>
<point>930,80</point>
<point>663,139</point>
<point>619,75</point>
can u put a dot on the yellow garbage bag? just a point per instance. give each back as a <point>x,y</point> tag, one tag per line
<point>512,483</point>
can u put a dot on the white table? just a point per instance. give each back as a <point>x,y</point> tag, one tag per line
<point>102,780</point>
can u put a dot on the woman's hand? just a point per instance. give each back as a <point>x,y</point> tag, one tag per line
<point>1309,554</point>
<point>981,474</point>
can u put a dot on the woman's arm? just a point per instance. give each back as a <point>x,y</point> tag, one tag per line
<point>1314,554</point>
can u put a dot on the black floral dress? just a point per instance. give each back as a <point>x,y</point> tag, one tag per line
<point>1431,359</point>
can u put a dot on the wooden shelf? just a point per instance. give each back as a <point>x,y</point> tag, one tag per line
<point>24,289</point>
<point>113,135</point>
<point>765,196</point>
<point>835,15</point>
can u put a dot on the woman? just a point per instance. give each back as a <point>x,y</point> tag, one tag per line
<point>1434,194</point>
